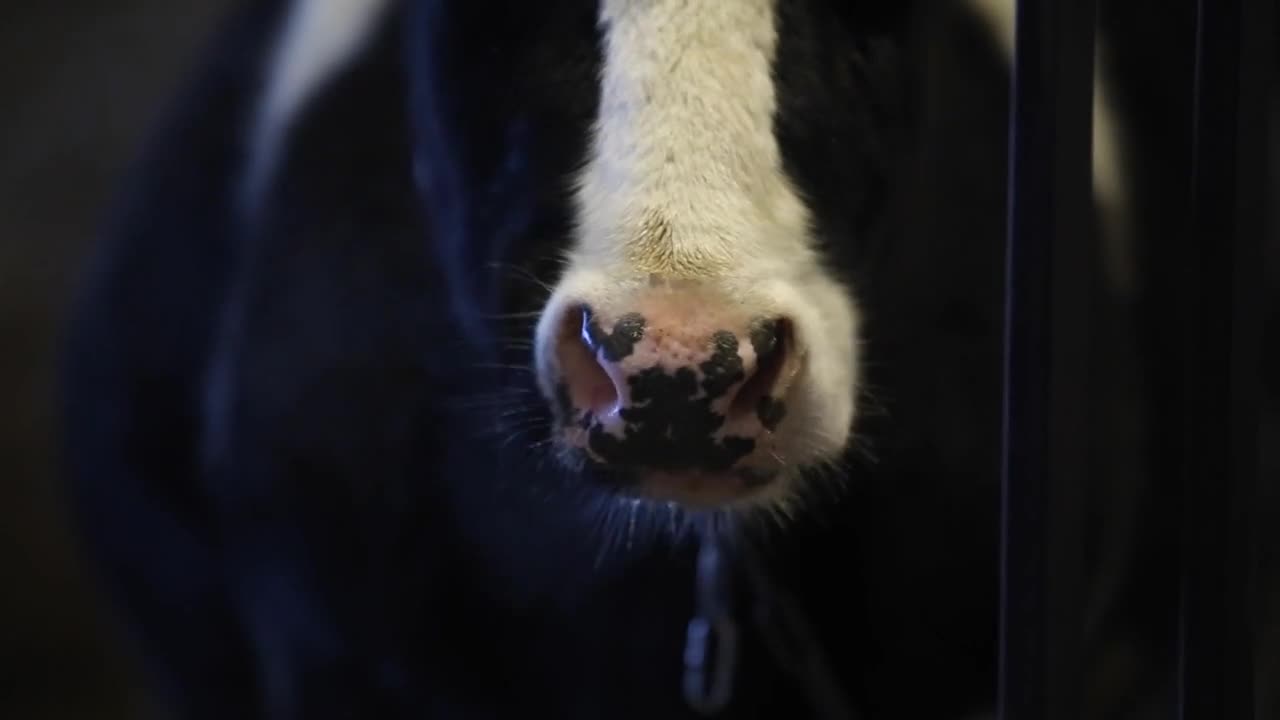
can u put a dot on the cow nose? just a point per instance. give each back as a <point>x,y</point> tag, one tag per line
<point>674,387</point>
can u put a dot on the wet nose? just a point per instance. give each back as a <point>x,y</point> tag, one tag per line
<point>674,386</point>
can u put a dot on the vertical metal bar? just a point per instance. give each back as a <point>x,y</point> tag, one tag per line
<point>1050,243</point>
<point>1221,348</point>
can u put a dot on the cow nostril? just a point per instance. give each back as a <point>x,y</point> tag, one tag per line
<point>772,341</point>
<point>588,386</point>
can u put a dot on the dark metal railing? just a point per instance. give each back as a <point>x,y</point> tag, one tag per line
<point>1047,332</point>
<point>1220,356</point>
<point>1212,283</point>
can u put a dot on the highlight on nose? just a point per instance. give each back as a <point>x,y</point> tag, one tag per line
<point>676,391</point>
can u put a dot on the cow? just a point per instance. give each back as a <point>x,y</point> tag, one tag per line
<point>434,351</point>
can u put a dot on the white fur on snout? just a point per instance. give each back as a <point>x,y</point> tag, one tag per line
<point>685,187</point>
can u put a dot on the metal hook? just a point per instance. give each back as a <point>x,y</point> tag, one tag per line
<point>712,625</point>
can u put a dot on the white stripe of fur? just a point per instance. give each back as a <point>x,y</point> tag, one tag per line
<point>318,39</point>
<point>1109,179</point>
<point>685,139</point>
<point>685,134</point>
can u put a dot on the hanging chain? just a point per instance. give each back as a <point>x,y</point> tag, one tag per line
<point>711,646</point>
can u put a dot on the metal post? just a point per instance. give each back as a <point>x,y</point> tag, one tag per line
<point>1221,350</point>
<point>1050,243</point>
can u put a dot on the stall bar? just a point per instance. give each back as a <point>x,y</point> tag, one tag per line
<point>1215,272</point>
<point>1046,343</point>
<point>1221,286</point>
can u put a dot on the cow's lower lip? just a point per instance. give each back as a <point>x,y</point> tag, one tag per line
<point>702,488</point>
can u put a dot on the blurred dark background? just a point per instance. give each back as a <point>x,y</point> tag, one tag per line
<point>79,82</point>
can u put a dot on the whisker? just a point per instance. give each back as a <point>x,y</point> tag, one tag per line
<point>527,315</point>
<point>517,270</point>
<point>506,442</point>
<point>523,422</point>
<point>503,366</point>
<point>518,411</point>
<point>515,396</point>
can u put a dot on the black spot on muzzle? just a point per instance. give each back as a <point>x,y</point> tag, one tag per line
<point>764,336</point>
<point>619,344</point>
<point>668,428</point>
<point>724,369</point>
